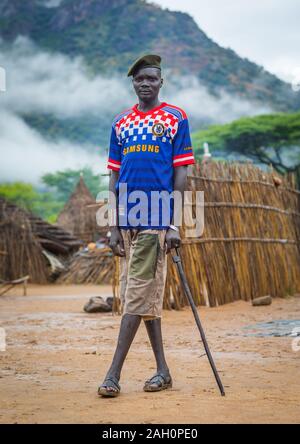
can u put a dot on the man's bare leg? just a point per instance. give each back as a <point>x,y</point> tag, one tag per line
<point>155,335</point>
<point>128,328</point>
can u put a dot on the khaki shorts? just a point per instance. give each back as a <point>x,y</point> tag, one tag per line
<point>143,272</point>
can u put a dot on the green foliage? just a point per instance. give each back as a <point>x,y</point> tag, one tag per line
<point>22,194</point>
<point>268,139</point>
<point>27,197</point>
<point>64,182</point>
<point>48,204</point>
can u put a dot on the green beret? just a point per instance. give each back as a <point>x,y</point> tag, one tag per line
<point>147,61</point>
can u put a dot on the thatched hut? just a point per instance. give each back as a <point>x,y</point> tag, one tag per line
<point>89,267</point>
<point>20,252</point>
<point>27,244</point>
<point>54,238</point>
<point>79,215</point>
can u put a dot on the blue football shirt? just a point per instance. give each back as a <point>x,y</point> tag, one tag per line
<point>145,148</point>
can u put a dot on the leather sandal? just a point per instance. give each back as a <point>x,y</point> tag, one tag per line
<point>157,383</point>
<point>112,383</point>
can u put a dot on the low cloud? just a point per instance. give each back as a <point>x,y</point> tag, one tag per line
<point>44,82</point>
<point>41,82</point>
<point>51,3</point>
<point>26,155</point>
<point>201,106</point>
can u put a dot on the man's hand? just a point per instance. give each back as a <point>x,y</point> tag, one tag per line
<point>116,242</point>
<point>173,239</point>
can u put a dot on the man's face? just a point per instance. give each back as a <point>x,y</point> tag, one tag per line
<point>147,83</point>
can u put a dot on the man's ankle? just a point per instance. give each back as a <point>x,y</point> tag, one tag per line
<point>163,370</point>
<point>113,374</point>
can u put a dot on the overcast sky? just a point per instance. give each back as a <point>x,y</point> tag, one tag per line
<point>265,31</point>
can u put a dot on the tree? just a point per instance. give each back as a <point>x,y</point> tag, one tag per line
<point>64,182</point>
<point>47,204</point>
<point>267,139</point>
<point>26,196</point>
<point>22,194</point>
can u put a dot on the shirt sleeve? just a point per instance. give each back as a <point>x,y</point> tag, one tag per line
<point>182,145</point>
<point>114,154</point>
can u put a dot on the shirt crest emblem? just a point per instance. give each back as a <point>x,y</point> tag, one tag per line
<point>158,129</point>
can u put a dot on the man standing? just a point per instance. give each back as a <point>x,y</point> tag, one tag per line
<point>150,149</point>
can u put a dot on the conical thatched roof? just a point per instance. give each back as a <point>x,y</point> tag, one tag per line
<point>79,214</point>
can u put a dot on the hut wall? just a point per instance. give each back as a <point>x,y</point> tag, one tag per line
<point>79,215</point>
<point>20,253</point>
<point>250,246</point>
<point>93,267</point>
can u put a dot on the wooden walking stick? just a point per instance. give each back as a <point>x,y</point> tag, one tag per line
<point>187,291</point>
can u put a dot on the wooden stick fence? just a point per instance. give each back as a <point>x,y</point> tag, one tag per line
<point>251,240</point>
<point>250,246</point>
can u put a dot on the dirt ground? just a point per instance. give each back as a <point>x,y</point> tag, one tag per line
<point>56,354</point>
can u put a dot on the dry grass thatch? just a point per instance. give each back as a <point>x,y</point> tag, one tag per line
<point>53,238</point>
<point>251,241</point>
<point>24,237</point>
<point>79,214</point>
<point>93,267</point>
<point>20,251</point>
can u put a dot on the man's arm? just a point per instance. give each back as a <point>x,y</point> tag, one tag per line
<point>180,178</point>
<point>116,240</point>
<point>113,179</point>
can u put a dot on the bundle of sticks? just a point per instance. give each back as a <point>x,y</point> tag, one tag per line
<point>21,253</point>
<point>92,267</point>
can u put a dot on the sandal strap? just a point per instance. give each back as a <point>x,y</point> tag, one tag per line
<point>159,378</point>
<point>115,383</point>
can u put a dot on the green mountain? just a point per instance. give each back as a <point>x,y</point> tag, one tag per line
<point>110,34</point>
